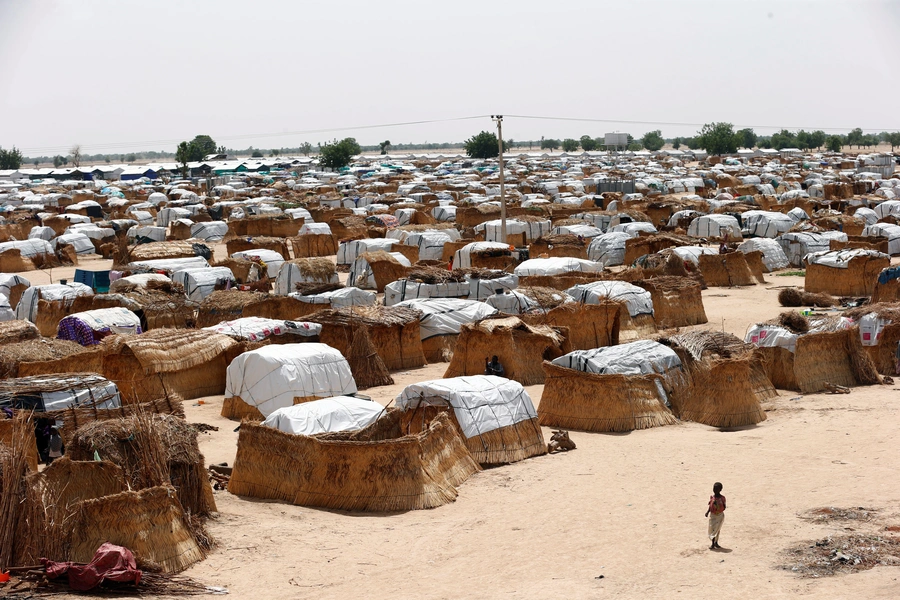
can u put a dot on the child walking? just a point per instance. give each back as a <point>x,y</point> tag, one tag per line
<point>716,514</point>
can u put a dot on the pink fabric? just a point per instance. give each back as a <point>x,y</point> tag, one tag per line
<point>110,563</point>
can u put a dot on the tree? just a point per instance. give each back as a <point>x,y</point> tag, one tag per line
<point>834,143</point>
<point>855,137</point>
<point>65,160</point>
<point>747,138</point>
<point>337,155</point>
<point>817,139</point>
<point>221,150</point>
<point>37,162</point>
<point>569,145</point>
<point>803,140</point>
<point>694,143</point>
<point>676,143</point>
<point>634,146</point>
<point>10,159</point>
<point>784,139</point>
<point>894,139</point>
<point>718,138</point>
<point>76,155</point>
<point>183,156</point>
<point>256,154</point>
<point>549,144</point>
<point>106,158</point>
<point>201,146</point>
<point>588,144</point>
<point>483,145</point>
<point>57,161</point>
<point>275,152</point>
<point>305,148</point>
<point>385,146</point>
<point>653,140</point>
<point>130,158</point>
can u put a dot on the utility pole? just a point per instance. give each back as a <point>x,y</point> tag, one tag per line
<point>499,120</point>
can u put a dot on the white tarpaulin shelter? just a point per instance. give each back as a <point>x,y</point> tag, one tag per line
<point>532,229</point>
<point>361,274</point>
<point>271,377</point>
<point>348,296</point>
<point>586,231</point>
<point>633,229</point>
<point>462,258</point>
<point>169,265</point>
<point>79,241</point>
<point>511,302</point>
<point>348,251</point>
<point>642,357</point>
<point>773,257</point>
<point>840,259</point>
<point>766,224</point>
<point>636,299</point>
<point>445,316</point>
<point>692,253</point>
<point>482,289</point>
<point>555,266</point>
<point>289,275</point>
<point>59,391</point>
<point>256,329</point>
<point>608,250</point>
<point>771,336</point>
<point>481,403</point>
<point>6,311</point>
<point>796,245</point>
<point>29,248</point>
<point>404,289</point>
<point>83,327</point>
<point>210,231</point>
<point>28,305</point>
<point>10,280</point>
<point>200,283</point>
<point>429,243</point>
<point>883,230</point>
<point>717,226</point>
<point>340,413</point>
<point>272,259</point>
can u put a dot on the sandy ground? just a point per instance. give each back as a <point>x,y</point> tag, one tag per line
<point>627,507</point>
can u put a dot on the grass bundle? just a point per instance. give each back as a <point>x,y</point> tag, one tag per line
<point>14,458</point>
<point>376,469</point>
<point>14,355</point>
<point>795,297</point>
<point>367,367</point>
<point>311,288</point>
<point>677,301</point>
<point>435,275</point>
<point>13,332</point>
<point>793,321</point>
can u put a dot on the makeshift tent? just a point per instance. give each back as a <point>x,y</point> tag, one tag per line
<point>167,361</point>
<point>715,226</point>
<point>773,257</point>
<point>726,270</point>
<point>89,327</point>
<point>408,289</point>
<point>270,258</point>
<point>677,301</point>
<point>13,286</point>
<point>383,467</point>
<point>200,283</point>
<point>491,255</point>
<point>441,321</point>
<point>887,231</point>
<point>257,329</point>
<point>617,388</point>
<point>430,244</point>
<point>608,250</point>
<point>58,391</point>
<point>272,377</point>
<point>636,314</point>
<point>329,415</point>
<point>692,254</point>
<point>167,265</point>
<point>531,229</point>
<point>765,224</point>
<point>562,245</point>
<point>844,272</point>
<point>304,270</point>
<point>556,266</point>
<point>520,348</point>
<point>796,245</point>
<point>511,302</point>
<point>210,231</point>
<point>341,298</point>
<point>348,251</point>
<point>495,415</point>
<point>390,266</point>
<point>79,241</point>
<point>56,298</point>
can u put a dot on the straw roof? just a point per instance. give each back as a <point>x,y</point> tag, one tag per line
<point>316,268</point>
<point>366,316</point>
<point>12,332</point>
<point>381,468</point>
<point>884,310</point>
<point>705,344</point>
<point>36,350</point>
<point>168,350</point>
<point>161,250</point>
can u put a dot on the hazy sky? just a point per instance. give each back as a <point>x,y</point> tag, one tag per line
<point>122,75</point>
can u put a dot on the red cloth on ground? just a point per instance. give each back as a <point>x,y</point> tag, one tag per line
<point>110,562</point>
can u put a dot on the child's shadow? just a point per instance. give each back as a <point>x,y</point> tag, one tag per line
<point>723,550</point>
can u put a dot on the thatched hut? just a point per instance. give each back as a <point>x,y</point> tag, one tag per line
<point>829,352</point>
<point>887,286</point>
<point>725,270</point>
<point>158,304</point>
<point>260,381</point>
<point>151,523</point>
<point>651,244</point>
<point>12,332</point>
<point>636,305</point>
<point>374,270</point>
<point>488,255</point>
<point>879,328</point>
<point>618,388</point>
<point>844,272</point>
<point>46,305</point>
<point>12,286</point>
<point>312,245</point>
<point>726,380</point>
<point>89,327</point>
<point>495,415</point>
<point>46,355</point>
<point>148,447</point>
<point>520,348</point>
<point>382,467</point>
<point>589,325</point>
<point>191,363</point>
<point>677,301</point>
<point>394,331</point>
<point>441,320</point>
<point>164,251</point>
<point>559,245</point>
<point>7,435</point>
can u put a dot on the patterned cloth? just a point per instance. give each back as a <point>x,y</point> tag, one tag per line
<point>75,330</point>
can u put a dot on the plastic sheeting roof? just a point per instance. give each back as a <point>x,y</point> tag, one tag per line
<point>340,413</point>
<point>636,299</point>
<point>555,266</point>
<point>271,377</point>
<point>445,316</point>
<point>481,403</point>
<point>642,357</point>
